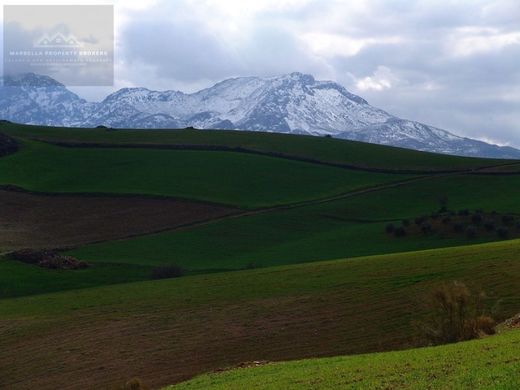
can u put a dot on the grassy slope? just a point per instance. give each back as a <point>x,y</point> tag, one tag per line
<point>491,363</point>
<point>224,177</point>
<point>291,312</point>
<point>318,232</point>
<point>319,148</point>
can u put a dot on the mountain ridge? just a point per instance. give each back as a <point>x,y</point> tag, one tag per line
<point>294,103</point>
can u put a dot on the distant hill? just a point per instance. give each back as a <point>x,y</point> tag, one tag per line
<point>294,103</point>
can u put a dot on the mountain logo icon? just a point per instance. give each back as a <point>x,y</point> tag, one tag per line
<point>58,40</point>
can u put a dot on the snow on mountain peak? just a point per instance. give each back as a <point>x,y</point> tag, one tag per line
<point>291,103</point>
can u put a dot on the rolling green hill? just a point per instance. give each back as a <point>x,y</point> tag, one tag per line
<point>167,331</point>
<point>225,177</point>
<point>320,149</point>
<point>262,216</point>
<point>484,364</point>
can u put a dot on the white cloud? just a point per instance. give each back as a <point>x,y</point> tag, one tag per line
<point>467,41</point>
<point>382,79</point>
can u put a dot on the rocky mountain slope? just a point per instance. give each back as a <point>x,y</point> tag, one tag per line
<point>294,103</point>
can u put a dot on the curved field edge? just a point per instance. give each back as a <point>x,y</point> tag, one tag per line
<point>323,149</point>
<point>490,363</point>
<point>349,227</point>
<point>168,331</point>
<point>242,180</point>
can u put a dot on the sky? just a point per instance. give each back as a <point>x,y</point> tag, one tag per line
<point>450,64</point>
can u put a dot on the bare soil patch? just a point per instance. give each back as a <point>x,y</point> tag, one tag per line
<point>52,221</point>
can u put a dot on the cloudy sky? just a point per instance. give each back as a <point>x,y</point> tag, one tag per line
<point>451,64</point>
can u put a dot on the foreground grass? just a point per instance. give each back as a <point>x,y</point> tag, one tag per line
<point>491,363</point>
<point>224,177</point>
<point>318,148</point>
<point>167,331</point>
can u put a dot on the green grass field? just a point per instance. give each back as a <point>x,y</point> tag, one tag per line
<point>281,313</point>
<point>258,286</point>
<point>483,364</point>
<point>321,149</point>
<point>230,178</point>
<point>349,227</point>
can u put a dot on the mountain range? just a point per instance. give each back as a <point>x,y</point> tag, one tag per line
<point>294,103</point>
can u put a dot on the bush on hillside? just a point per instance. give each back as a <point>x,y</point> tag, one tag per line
<point>400,232</point>
<point>471,231</point>
<point>476,219</point>
<point>454,314</point>
<point>389,228</point>
<point>489,226</point>
<point>458,227</point>
<point>405,222</point>
<point>134,384</point>
<point>503,232</point>
<point>167,272</point>
<point>420,220</point>
<point>508,220</point>
<point>426,228</point>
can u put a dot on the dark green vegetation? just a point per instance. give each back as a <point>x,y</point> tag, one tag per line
<point>320,149</point>
<point>295,200</point>
<point>484,364</point>
<point>166,331</point>
<point>224,177</point>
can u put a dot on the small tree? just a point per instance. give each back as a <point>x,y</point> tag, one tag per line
<point>400,232</point>
<point>426,228</point>
<point>476,219</point>
<point>471,231</point>
<point>503,232</point>
<point>458,227</point>
<point>489,226</point>
<point>390,228</point>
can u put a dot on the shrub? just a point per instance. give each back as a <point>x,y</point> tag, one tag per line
<point>419,220</point>
<point>434,216</point>
<point>489,226</point>
<point>443,204</point>
<point>476,219</point>
<point>454,314</point>
<point>446,220</point>
<point>518,225</point>
<point>390,228</point>
<point>400,232</point>
<point>405,222</point>
<point>134,384</point>
<point>508,219</point>
<point>167,272</point>
<point>458,227</point>
<point>426,228</point>
<point>464,212</point>
<point>503,232</point>
<point>471,231</point>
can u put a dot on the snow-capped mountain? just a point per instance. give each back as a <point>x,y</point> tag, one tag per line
<point>294,103</point>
